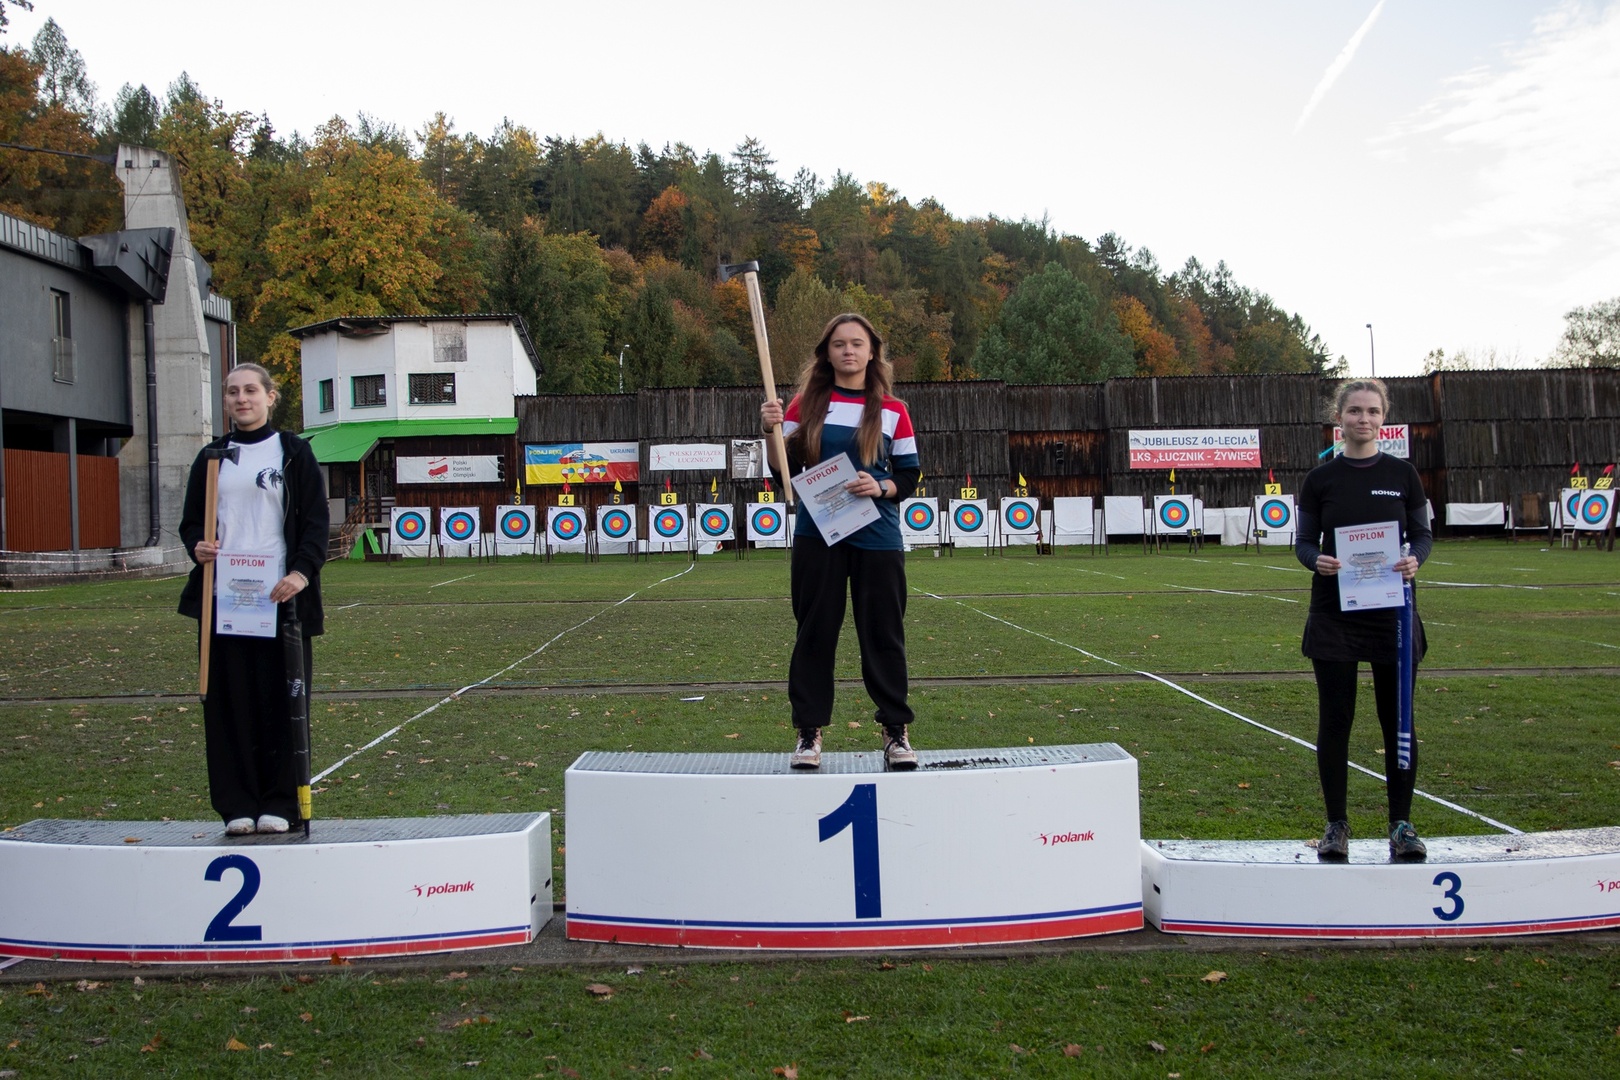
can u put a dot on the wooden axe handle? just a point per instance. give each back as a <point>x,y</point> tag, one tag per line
<point>210,531</point>
<point>756,306</point>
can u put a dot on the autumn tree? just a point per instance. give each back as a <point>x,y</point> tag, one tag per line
<point>67,194</point>
<point>1591,336</point>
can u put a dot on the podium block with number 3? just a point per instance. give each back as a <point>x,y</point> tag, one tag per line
<point>737,851</point>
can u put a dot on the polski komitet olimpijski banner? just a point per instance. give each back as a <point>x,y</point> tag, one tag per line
<point>581,463</point>
<point>1206,448</point>
<point>478,469</point>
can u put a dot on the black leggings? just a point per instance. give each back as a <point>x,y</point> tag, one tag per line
<point>1336,709</point>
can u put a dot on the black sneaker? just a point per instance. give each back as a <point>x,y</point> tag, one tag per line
<point>807,754</point>
<point>1404,845</point>
<point>1335,843</point>
<point>897,751</point>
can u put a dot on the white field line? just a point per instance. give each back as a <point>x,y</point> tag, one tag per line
<point>1287,569</point>
<point>1229,592</point>
<point>1222,708</point>
<point>1480,585</point>
<point>397,728</point>
<point>453,580</point>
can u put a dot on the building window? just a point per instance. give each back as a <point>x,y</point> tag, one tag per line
<point>327,397</point>
<point>449,343</point>
<point>61,336</point>
<point>433,389</point>
<point>369,390</point>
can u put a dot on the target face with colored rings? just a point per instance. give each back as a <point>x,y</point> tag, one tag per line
<point>616,524</point>
<point>1572,503</point>
<point>715,522</point>
<point>1595,511</point>
<point>1019,515</point>
<point>460,526</point>
<point>1275,513</point>
<point>920,517</point>
<point>968,518</point>
<point>410,526</point>
<point>515,525</point>
<point>669,523</point>
<point>1173,514</point>
<point>767,521</point>
<point>568,525</point>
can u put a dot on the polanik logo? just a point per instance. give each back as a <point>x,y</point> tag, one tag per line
<point>1054,839</point>
<point>441,890</point>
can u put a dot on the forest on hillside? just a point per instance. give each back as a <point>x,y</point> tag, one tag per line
<point>609,250</point>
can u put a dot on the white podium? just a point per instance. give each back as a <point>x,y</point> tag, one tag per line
<point>1471,886</point>
<point>739,851</point>
<point>158,892</point>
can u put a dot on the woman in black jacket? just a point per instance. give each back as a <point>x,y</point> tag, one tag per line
<point>271,503</point>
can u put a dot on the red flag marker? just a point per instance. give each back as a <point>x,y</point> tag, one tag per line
<point>1575,470</point>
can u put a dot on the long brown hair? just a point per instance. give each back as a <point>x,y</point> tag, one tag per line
<point>816,386</point>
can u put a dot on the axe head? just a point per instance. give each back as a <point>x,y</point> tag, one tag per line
<point>731,270</point>
<point>227,453</point>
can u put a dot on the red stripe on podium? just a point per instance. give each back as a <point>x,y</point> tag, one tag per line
<point>854,937</point>
<point>267,954</point>
<point>1549,926</point>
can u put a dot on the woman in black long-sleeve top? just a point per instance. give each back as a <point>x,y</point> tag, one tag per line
<point>271,502</point>
<point>1362,486</point>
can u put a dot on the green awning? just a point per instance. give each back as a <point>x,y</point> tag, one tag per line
<point>340,443</point>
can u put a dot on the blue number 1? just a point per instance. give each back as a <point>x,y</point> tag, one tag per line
<point>221,929</point>
<point>858,813</point>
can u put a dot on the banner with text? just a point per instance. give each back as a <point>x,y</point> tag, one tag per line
<point>482,469</point>
<point>1393,439</point>
<point>1212,448</point>
<point>668,457</point>
<point>582,463</point>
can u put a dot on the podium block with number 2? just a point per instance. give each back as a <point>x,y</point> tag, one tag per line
<point>737,851</point>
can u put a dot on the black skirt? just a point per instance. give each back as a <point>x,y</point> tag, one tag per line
<point>1357,636</point>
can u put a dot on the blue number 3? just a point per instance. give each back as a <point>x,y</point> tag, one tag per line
<point>858,814</point>
<point>221,929</point>
<point>1453,892</point>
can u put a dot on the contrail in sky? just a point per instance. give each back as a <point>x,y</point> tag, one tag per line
<point>1335,69</point>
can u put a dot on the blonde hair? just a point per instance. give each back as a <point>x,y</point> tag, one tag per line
<point>266,380</point>
<point>1352,386</point>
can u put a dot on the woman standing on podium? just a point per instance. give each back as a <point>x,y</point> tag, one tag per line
<point>843,405</point>
<point>271,502</point>
<point>1362,486</point>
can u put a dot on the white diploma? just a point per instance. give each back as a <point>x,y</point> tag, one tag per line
<point>1367,575</point>
<point>835,511</point>
<point>242,584</point>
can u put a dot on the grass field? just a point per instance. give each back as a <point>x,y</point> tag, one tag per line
<point>1515,721</point>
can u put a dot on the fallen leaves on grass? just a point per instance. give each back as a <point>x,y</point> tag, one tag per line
<point>850,1018</point>
<point>788,1072</point>
<point>601,990</point>
<point>1073,1050</point>
<point>453,976</point>
<point>1156,1046</point>
<point>1214,977</point>
<point>472,1020</point>
<point>701,1054</point>
<point>233,1043</point>
<point>152,1047</point>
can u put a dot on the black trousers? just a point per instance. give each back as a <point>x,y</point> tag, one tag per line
<point>249,731</point>
<point>876,582</point>
<point>1336,709</point>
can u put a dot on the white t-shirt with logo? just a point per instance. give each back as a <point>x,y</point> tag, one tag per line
<point>252,514</point>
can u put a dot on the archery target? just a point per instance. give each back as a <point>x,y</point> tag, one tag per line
<point>1274,513</point>
<point>714,521</point>
<point>1569,508</point>
<point>410,524</point>
<point>565,525</point>
<point>919,521</point>
<point>669,523</point>
<point>1020,515</point>
<point>459,525</point>
<point>968,520</point>
<point>1594,510</point>
<point>514,523</point>
<point>766,522</point>
<point>1172,514</point>
<point>616,522</point>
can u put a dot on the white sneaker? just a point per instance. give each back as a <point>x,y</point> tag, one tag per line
<point>242,826</point>
<point>272,823</point>
<point>897,751</point>
<point>807,751</point>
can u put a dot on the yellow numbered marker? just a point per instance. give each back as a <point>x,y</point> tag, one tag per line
<point>668,498</point>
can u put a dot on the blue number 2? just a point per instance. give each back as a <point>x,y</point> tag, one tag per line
<point>1453,891</point>
<point>221,929</point>
<point>858,813</point>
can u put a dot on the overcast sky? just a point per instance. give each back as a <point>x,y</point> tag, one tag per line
<point>1447,170</point>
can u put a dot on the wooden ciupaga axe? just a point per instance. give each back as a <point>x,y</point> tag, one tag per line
<point>210,532</point>
<point>749,272</point>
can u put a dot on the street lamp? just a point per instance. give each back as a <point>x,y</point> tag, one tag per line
<point>1371,351</point>
<point>622,348</point>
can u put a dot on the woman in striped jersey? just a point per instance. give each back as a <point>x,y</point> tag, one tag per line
<point>843,406</point>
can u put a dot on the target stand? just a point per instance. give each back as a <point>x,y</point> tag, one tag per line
<point>171,892</point>
<point>739,851</point>
<point>1471,886</point>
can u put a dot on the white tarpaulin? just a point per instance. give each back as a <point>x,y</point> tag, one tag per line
<point>667,457</point>
<point>479,469</point>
